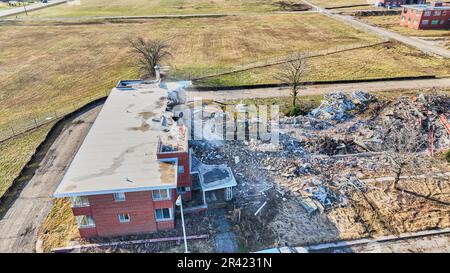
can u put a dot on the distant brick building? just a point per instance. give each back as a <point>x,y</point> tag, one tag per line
<point>397,2</point>
<point>431,16</point>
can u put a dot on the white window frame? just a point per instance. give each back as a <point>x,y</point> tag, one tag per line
<point>122,219</point>
<point>437,13</point>
<point>88,225</point>
<point>186,189</point>
<point>164,219</point>
<point>161,198</point>
<point>119,196</point>
<point>80,201</point>
<point>181,169</point>
<point>425,22</point>
<point>427,13</point>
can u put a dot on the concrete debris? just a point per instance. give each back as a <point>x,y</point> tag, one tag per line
<point>337,106</point>
<point>322,158</point>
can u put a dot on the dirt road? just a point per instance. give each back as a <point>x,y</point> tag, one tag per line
<point>222,95</point>
<point>19,226</point>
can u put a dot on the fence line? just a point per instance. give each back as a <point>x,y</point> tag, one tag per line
<point>20,126</point>
<point>281,59</point>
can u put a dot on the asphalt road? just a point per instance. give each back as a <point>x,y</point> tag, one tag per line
<point>222,95</point>
<point>19,227</point>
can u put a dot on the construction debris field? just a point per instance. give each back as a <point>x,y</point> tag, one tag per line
<point>330,179</point>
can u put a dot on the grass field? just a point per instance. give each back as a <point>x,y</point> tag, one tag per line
<point>152,7</point>
<point>356,64</point>
<point>4,5</point>
<point>15,153</point>
<point>338,3</point>
<point>51,66</point>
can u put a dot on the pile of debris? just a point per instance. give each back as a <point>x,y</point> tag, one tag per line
<point>426,114</point>
<point>332,146</point>
<point>337,106</point>
<point>323,194</point>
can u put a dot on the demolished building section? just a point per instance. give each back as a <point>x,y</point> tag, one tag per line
<point>330,162</point>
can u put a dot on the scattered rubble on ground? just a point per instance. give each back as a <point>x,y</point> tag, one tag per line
<point>318,183</point>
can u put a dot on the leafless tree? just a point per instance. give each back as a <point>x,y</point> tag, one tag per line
<point>401,144</point>
<point>150,53</point>
<point>292,73</point>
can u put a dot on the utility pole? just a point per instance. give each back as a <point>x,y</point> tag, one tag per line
<point>25,8</point>
<point>180,204</point>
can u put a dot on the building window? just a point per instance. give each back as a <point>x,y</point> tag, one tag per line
<point>163,214</point>
<point>161,194</point>
<point>444,12</point>
<point>124,218</point>
<point>80,201</point>
<point>425,22</point>
<point>181,169</point>
<point>182,190</point>
<point>119,196</point>
<point>427,13</point>
<point>435,22</point>
<point>437,13</point>
<point>85,221</point>
<point>403,18</point>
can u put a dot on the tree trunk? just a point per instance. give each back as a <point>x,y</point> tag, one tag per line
<point>294,96</point>
<point>396,179</point>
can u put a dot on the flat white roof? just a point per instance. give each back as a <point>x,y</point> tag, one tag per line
<point>119,154</point>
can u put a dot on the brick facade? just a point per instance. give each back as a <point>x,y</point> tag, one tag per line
<point>184,178</point>
<point>139,205</point>
<point>425,19</point>
<point>397,2</point>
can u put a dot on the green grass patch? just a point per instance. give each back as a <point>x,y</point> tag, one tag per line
<point>305,103</point>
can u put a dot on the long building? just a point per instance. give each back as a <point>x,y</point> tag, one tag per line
<point>124,178</point>
<point>134,163</point>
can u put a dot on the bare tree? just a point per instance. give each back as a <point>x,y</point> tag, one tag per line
<point>292,73</point>
<point>150,53</point>
<point>401,144</point>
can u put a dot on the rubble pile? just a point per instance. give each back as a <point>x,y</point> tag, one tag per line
<point>331,146</point>
<point>421,113</point>
<point>337,106</point>
<point>321,158</point>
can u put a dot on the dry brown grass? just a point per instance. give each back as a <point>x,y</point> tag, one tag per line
<point>152,7</point>
<point>380,61</point>
<point>51,66</point>
<point>338,3</point>
<point>59,227</point>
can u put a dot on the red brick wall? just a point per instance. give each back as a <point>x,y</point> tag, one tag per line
<point>184,179</point>
<point>420,16</point>
<point>140,207</point>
